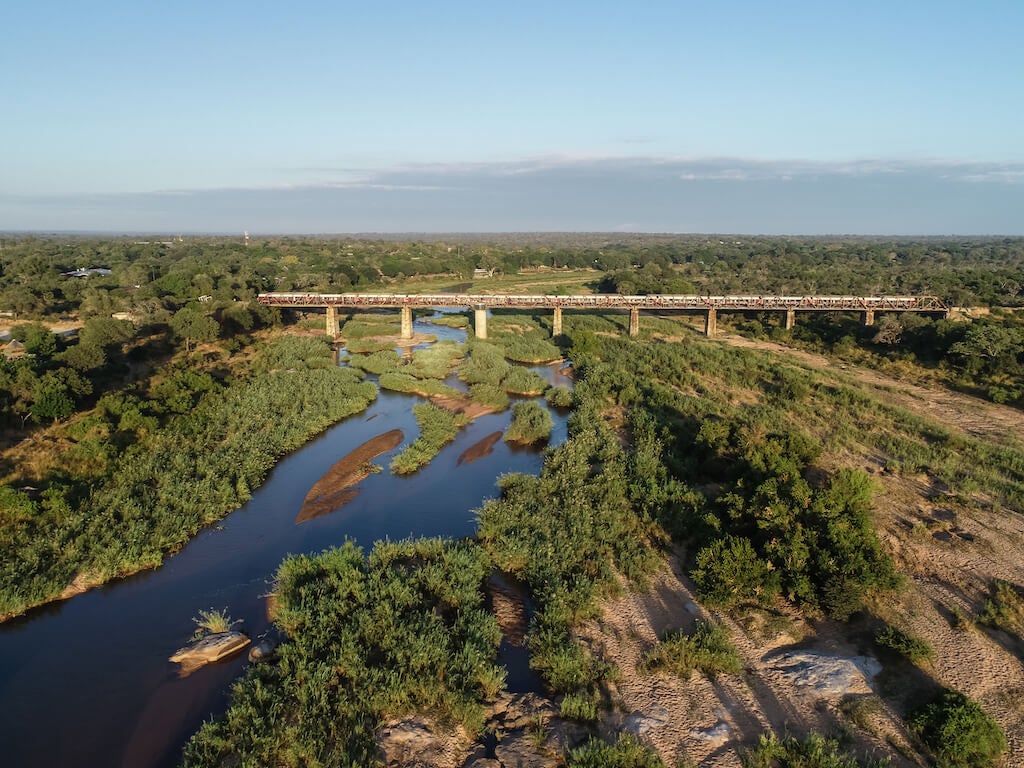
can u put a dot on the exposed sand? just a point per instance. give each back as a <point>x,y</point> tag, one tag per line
<point>479,449</point>
<point>334,489</point>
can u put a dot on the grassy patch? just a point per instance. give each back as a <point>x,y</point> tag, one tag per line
<point>438,427</point>
<point>531,423</point>
<point>959,732</point>
<point>708,650</point>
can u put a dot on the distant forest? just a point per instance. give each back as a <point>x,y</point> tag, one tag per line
<point>149,278</point>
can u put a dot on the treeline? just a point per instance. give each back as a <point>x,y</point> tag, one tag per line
<point>153,279</point>
<point>145,475</point>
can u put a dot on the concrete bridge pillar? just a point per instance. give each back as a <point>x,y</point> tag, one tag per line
<point>634,321</point>
<point>332,320</point>
<point>790,319</point>
<point>711,322</point>
<point>480,321</point>
<point>556,322</point>
<point>869,317</point>
<point>406,322</point>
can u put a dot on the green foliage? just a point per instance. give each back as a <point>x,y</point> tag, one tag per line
<point>438,427</point>
<point>380,362</point>
<point>434,361</point>
<point>915,649</point>
<point>959,732</point>
<point>531,423</point>
<point>523,381</point>
<point>816,751</point>
<point>627,752</point>
<point>164,488</point>
<point>1004,608</point>
<point>708,650</point>
<point>729,573</point>
<point>294,353</point>
<point>191,325</point>
<point>566,535</point>
<point>213,622</point>
<point>577,707</point>
<point>485,365</point>
<point>369,640</point>
<point>489,395</point>
<point>366,346</point>
<point>402,382</point>
<point>559,397</point>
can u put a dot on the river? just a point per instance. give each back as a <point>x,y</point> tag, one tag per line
<point>86,681</point>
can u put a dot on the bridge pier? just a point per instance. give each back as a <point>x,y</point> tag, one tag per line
<point>480,321</point>
<point>711,322</point>
<point>790,319</point>
<point>869,317</point>
<point>332,320</point>
<point>634,321</point>
<point>556,322</point>
<point>406,322</point>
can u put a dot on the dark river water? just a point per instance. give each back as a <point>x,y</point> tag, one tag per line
<point>86,681</point>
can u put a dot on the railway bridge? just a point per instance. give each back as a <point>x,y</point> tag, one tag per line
<point>709,306</point>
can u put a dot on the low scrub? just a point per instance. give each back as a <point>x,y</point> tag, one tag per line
<point>708,650</point>
<point>559,397</point>
<point>369,640</point>
<point>523,381</point>
<point>531,423</point>
<point>380,362</point>
<point>913,648</point>
<point>397,381</point>
<point>489,395</point>
<point>438,427</point>
<point>627,752</point>
<point>1004,608</point>
<point>959,732</point>
<point>816,751</point>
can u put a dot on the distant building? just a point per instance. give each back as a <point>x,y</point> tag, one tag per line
<point>479,274</point>
<point>102,271</point>
<point>14,349</point>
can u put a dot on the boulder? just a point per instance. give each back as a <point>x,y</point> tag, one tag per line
<point>209,649</point>
<point>828,676</point>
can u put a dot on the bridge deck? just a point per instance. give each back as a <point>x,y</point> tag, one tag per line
<point>611,301</point>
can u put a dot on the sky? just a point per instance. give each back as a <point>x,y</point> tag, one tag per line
<point>745,116</point>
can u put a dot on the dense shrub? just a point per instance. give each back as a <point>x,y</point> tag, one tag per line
<point>627,752</point>
<point>531,423</point>
<point>915,649</point>
<point>959,732</point>
<point>369,640</point>
<point>437,428</point>
<point>816,751</point>
<point>707,650</point>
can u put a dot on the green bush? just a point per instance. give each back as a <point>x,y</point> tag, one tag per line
<point>816,751</point>
<point>627,752</point>
<point>531,423</point>
<point>523,381</point>
<point>1004,608</point>
<point>959,732</point>
<point>384,361</point>
<point>707,650</point>
<point>404,631</point>
<point>489,395</point>
<point>437,428</point>
<point>729,573</point>
<point>577,707</point>
<point>915,649</point>
<point>559,397</point>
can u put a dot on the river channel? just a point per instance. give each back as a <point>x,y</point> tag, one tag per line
<point>86,681</point>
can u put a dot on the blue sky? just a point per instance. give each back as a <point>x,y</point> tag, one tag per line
<point>898,117</point>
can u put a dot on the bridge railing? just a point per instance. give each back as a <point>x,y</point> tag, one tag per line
<point>612,301</point>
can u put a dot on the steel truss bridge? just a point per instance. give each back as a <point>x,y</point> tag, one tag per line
<point>709,305</point>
